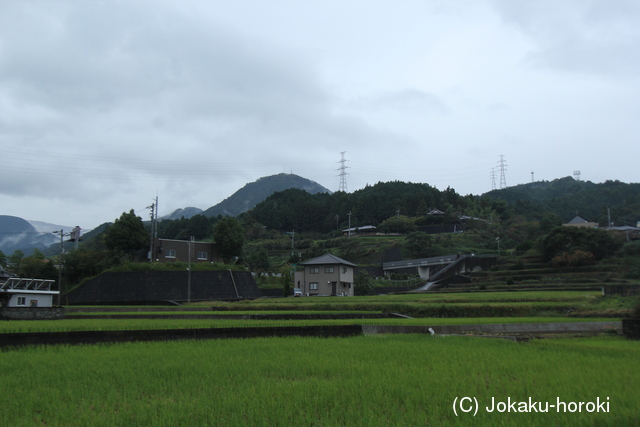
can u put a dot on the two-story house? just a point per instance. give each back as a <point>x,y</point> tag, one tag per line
<point>326,275</point>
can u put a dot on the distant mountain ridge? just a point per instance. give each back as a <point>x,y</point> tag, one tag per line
<point>17,233</point>
<point>251,194</point>
<point>186,213</point>
<point>255,192</point>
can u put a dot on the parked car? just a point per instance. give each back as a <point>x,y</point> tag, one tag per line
<point>297,292</point>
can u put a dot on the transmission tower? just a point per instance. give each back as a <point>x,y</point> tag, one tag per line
<point>492,176</point>
<point>343,173</point>
<point>576,175</point>
<point>503,167</point>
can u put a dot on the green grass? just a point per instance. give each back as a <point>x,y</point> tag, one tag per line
<point>199,313</point>
<point>399,380</point>
<point>66,325</point>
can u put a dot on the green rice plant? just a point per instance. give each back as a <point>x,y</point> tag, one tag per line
<point>402,380</point>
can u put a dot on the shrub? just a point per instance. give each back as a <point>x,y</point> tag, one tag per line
<point>563,240</point>
<point>575,259</point>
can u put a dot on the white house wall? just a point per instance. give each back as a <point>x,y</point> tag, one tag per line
<point>41,300</point>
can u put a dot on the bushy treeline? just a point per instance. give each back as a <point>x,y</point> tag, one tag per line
<point>372,205</point>
<point>567,197</point>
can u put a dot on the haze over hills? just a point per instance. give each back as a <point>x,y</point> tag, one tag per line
<point>17,233</point>
<point>251,194</point>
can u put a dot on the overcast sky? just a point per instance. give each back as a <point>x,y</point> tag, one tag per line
<point>104,104</point>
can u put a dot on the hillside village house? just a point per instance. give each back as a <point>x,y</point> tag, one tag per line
<point>168,250</point>
<point>326,275</point>
<point>578,221</point>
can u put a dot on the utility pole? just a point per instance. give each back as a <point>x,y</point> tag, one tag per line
<point>349,229</point>
<point>75,237</point>
<point>343,173</point>
<point>61,264</point>
<point>293,237</point>
<point>190,248</point>
<point>152,207</point>
<point>503,167</point>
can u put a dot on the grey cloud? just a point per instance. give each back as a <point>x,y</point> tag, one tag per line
<point>411,100</point>
<point>599,37</point>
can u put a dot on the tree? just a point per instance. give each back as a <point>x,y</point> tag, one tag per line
<point>398,224</point>
<point>363,283</point>
<point>229,236</point>
<point>3,259</point>
<point>571,239</point>
<point>127,235</point>
<point>257,260</point>
<point>36,268</point>
<point>15,258</point>
<point>420,245</point>
<point>286,279</point>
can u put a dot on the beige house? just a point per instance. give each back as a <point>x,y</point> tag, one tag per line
<point>325,275</point>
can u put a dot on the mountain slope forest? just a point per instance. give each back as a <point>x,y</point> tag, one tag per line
<point>567,197</point>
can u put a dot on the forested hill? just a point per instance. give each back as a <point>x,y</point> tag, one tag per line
<point>301,211</point>
<point>255,192</point>
<point>567,197</point>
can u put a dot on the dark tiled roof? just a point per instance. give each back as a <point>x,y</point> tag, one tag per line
<point>327,259</point>
<point>578,220</point>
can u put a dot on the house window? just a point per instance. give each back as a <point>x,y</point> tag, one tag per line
<point>203,255</point>
<point>22,301</point>
<point>313,286</point>
<point>344,270</point>
<point>314,270</point>
<point>328,269</point>
<point>171,253</point>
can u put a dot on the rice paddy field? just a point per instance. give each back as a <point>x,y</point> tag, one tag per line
<point>382,380</point>
<point>66,325</point>
<point>370,380</point>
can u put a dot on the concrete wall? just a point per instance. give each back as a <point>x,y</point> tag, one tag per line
<point>94,337</point>
<point>503,328</point>
<point>30,313</point>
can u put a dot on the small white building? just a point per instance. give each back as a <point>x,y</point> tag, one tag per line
<point>21,292</point>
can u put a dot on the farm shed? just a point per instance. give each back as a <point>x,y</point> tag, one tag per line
<point>21,292</point>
